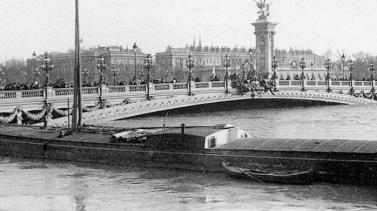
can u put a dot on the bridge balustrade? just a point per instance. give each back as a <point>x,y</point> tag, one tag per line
<point>158,87</point>
<point>218,84</point>
<point>90,90</point>
<point>283,83</point>
<point>345,83</point>
<point>64,91</point>
<point>137,88</point>
<point>367,83</point>
<point>117,89</point>
<point>311,83</point>
<point>32,93</point>
<point>335,83</point>
<point>358,83</point>
<point>8,95</point>
<point>180,86</point>
<point>201,85</point>
<point>296,83</point>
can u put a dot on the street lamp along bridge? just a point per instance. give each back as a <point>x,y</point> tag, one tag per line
<point>190,63</point>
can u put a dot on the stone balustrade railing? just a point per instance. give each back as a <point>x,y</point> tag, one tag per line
<point>179,87</point>
<point>333,84</point>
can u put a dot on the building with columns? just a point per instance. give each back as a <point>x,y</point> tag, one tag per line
<point>120,63</point>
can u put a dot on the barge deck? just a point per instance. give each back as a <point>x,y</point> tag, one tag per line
<point>344,161</point>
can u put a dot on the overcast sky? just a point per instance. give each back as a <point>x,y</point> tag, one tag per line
<point>48,25</point>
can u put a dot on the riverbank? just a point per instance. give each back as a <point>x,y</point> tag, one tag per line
<point>350,164</point>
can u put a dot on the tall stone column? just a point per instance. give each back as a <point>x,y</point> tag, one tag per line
<point>264,47</point>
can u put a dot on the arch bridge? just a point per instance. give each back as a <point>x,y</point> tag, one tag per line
<point>173,96</point>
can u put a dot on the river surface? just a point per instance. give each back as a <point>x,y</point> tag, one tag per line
<point>45,185</point>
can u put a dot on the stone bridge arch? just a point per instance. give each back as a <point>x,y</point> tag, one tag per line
<point>164,104</point>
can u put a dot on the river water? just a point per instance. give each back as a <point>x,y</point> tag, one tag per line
<point>45,185</point>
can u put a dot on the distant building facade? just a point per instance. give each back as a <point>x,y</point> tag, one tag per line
<point>208,60</point>
<point>289,61</point>
<point>118,60</point>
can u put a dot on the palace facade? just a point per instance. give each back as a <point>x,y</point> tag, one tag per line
<point>208,60</point>
<point>120,63</point>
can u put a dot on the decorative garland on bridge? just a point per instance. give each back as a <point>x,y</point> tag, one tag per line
<point>50,112</point>
<point>17,112</point>
<point>371,95</point>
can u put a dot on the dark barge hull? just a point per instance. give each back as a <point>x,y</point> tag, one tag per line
<point>336,167</point>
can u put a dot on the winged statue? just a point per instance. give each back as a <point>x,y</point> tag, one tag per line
<point>264,9</point>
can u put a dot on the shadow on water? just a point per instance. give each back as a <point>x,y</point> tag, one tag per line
<point>245,104</point>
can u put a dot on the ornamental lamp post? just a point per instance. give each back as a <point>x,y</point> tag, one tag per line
<point>244,69</point>
<point>251,61</point>
<point>141,74</point>
<point>226,65</point>
<point>135,48</point>
<point>350,67</point>
<point>166,74</point>
<point>328,66</point>
<point>250,54</point>
<point>274,66</point>
<point>47,66</point>
<point>190,63</point>
<point>101,67</point>
<point>372,68</point>
<point>147,65</point>
<point>34,67</point>
<point>2,75</point>
<point>115,74</point>
<point>302,66</point>
<point>36,74</point>
<point>85,73</point>
<point>343,60</point>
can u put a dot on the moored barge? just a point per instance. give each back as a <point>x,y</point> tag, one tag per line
<point>197,148</point>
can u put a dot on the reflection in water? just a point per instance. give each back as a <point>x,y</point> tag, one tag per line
<point>79,190</point>
<point>54,186</point>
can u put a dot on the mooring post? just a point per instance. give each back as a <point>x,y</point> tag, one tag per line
<point>183,132</point>
<point>68,113</point>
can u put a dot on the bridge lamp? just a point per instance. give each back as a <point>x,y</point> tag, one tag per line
<point>135,48</point>
<point>85,73</point>
<point>302,66</point>
<point>274,66</point>
<point>2,75</point>
<point>350,67</point>
<point>101,67</point>
<point>343,60</point>
<point>115,74</point>
<point>328,66</point>
<point>244,66</point>
<point>141,74</point>
<point>166,74</point>
<point>250,54</point>
<point>226,65</point>
<point>372,68</point>
<point>190,63</point>
<point>47,66</point>
<point>148,63</point>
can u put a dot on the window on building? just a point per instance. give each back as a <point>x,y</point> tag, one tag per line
<point>212,142</point>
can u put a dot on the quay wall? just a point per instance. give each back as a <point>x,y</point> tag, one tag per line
<point>327,167</point>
